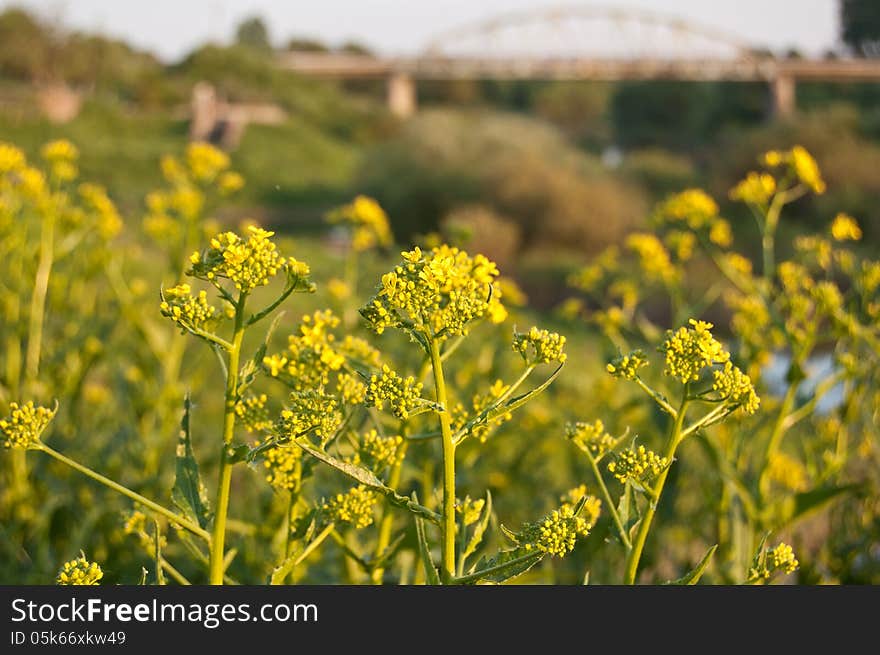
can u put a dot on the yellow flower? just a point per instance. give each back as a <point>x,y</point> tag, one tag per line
<point>247,264</point>
<point>436,294</point>
<point>845,228</point>
<point>539,346</point>
<point>691,349</point>
<point>11,159</point>
<point>283,464</point>
<point>354,507</point>
<point>187,310</point>
<point>755,189</point>
<point>720,233</point>
<point>637,464</point>
<point>380,452</point>
<point>787,472</point>
<point>230,182</point>
<point>368,221</point>
<point>692,206</point>
<point>401,394</point>
<point>806,169</point>
<point>557,533</point>
<point>205,161</point>
<point>253,414</point>
<point>627,366</point>
<point>80,571</point>
<point>60,150</point>
<point>592,437</point>
<point>735,388</point>
<point>653,257</point>
<point>24,425</point>
<point>338,289</point>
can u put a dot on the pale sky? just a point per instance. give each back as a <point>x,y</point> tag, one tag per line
<point>171,28</point>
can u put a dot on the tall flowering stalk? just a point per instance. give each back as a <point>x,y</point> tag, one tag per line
<point>234,266</point>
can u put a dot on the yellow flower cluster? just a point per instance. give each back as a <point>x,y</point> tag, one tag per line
<point>556,534</point>
<point>845,228</point>
<point>692,206</point>
<point>681,243</point>
<point>801,164</point>
<point>109,223</point>
<point>720,233</point>
<point>781,558</point>
<point>311,354</point>
<point>61,155</point>
<point>469,509</point>
<point>379,452</point>
<point>205,161</point>
<point>351,389</point>
<point>436,293</point>
<point>787,472</point>
<point>735,387</point>
<point>24,425</point>
<point>691,349</point>
<point>592,437</point>
<point>80,571</point>
<point>253,413</point>
<point>354,507</point>
<point>12,159</point>
<point>755,189</point>
<point>592,506</point>
<point>310,412</point>
<point>401,394</point>
<point>637,464</point>
<point>539,346</point>
<point>653,257</point>
<point>627,366</point>
<point>368,222</point>
<point>188,310</point>
<point>247,264</point>
<point>283,466</point>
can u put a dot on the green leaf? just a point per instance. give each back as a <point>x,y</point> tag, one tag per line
<point>519,401</point>
<point>358,473</point>
<point>693,577</point>
<point>254,365</point>
<point>389,551</point>
<point>479,528</point>
<point>790,509</point>
<point>505,565</point>
<point>238,453</point>
<point>280,573</point>
<point>505,407</point>
<point>188,493</point>
<point>431,576</point>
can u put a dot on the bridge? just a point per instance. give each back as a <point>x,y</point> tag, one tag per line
<point>584,43</point>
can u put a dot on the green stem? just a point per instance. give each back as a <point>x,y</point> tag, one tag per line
<point>624,537</point>
<point>635,555</point>
<point>387,522</point>
<point>175,519</point>
<point>448,526</point>
<point>669,409</point>
<point>218,535</point>
<point>38,299</point>
<point>776,436</point>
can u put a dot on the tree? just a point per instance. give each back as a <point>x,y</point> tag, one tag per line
<point>253,33</point>
<point>860,26</point>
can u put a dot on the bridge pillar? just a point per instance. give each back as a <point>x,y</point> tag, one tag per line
<point>402,95</point>
<point>784,94</point>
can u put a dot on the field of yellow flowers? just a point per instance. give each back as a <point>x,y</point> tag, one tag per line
<point>187,404</point>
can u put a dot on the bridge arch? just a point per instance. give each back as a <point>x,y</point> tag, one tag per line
<point>595,32</point>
